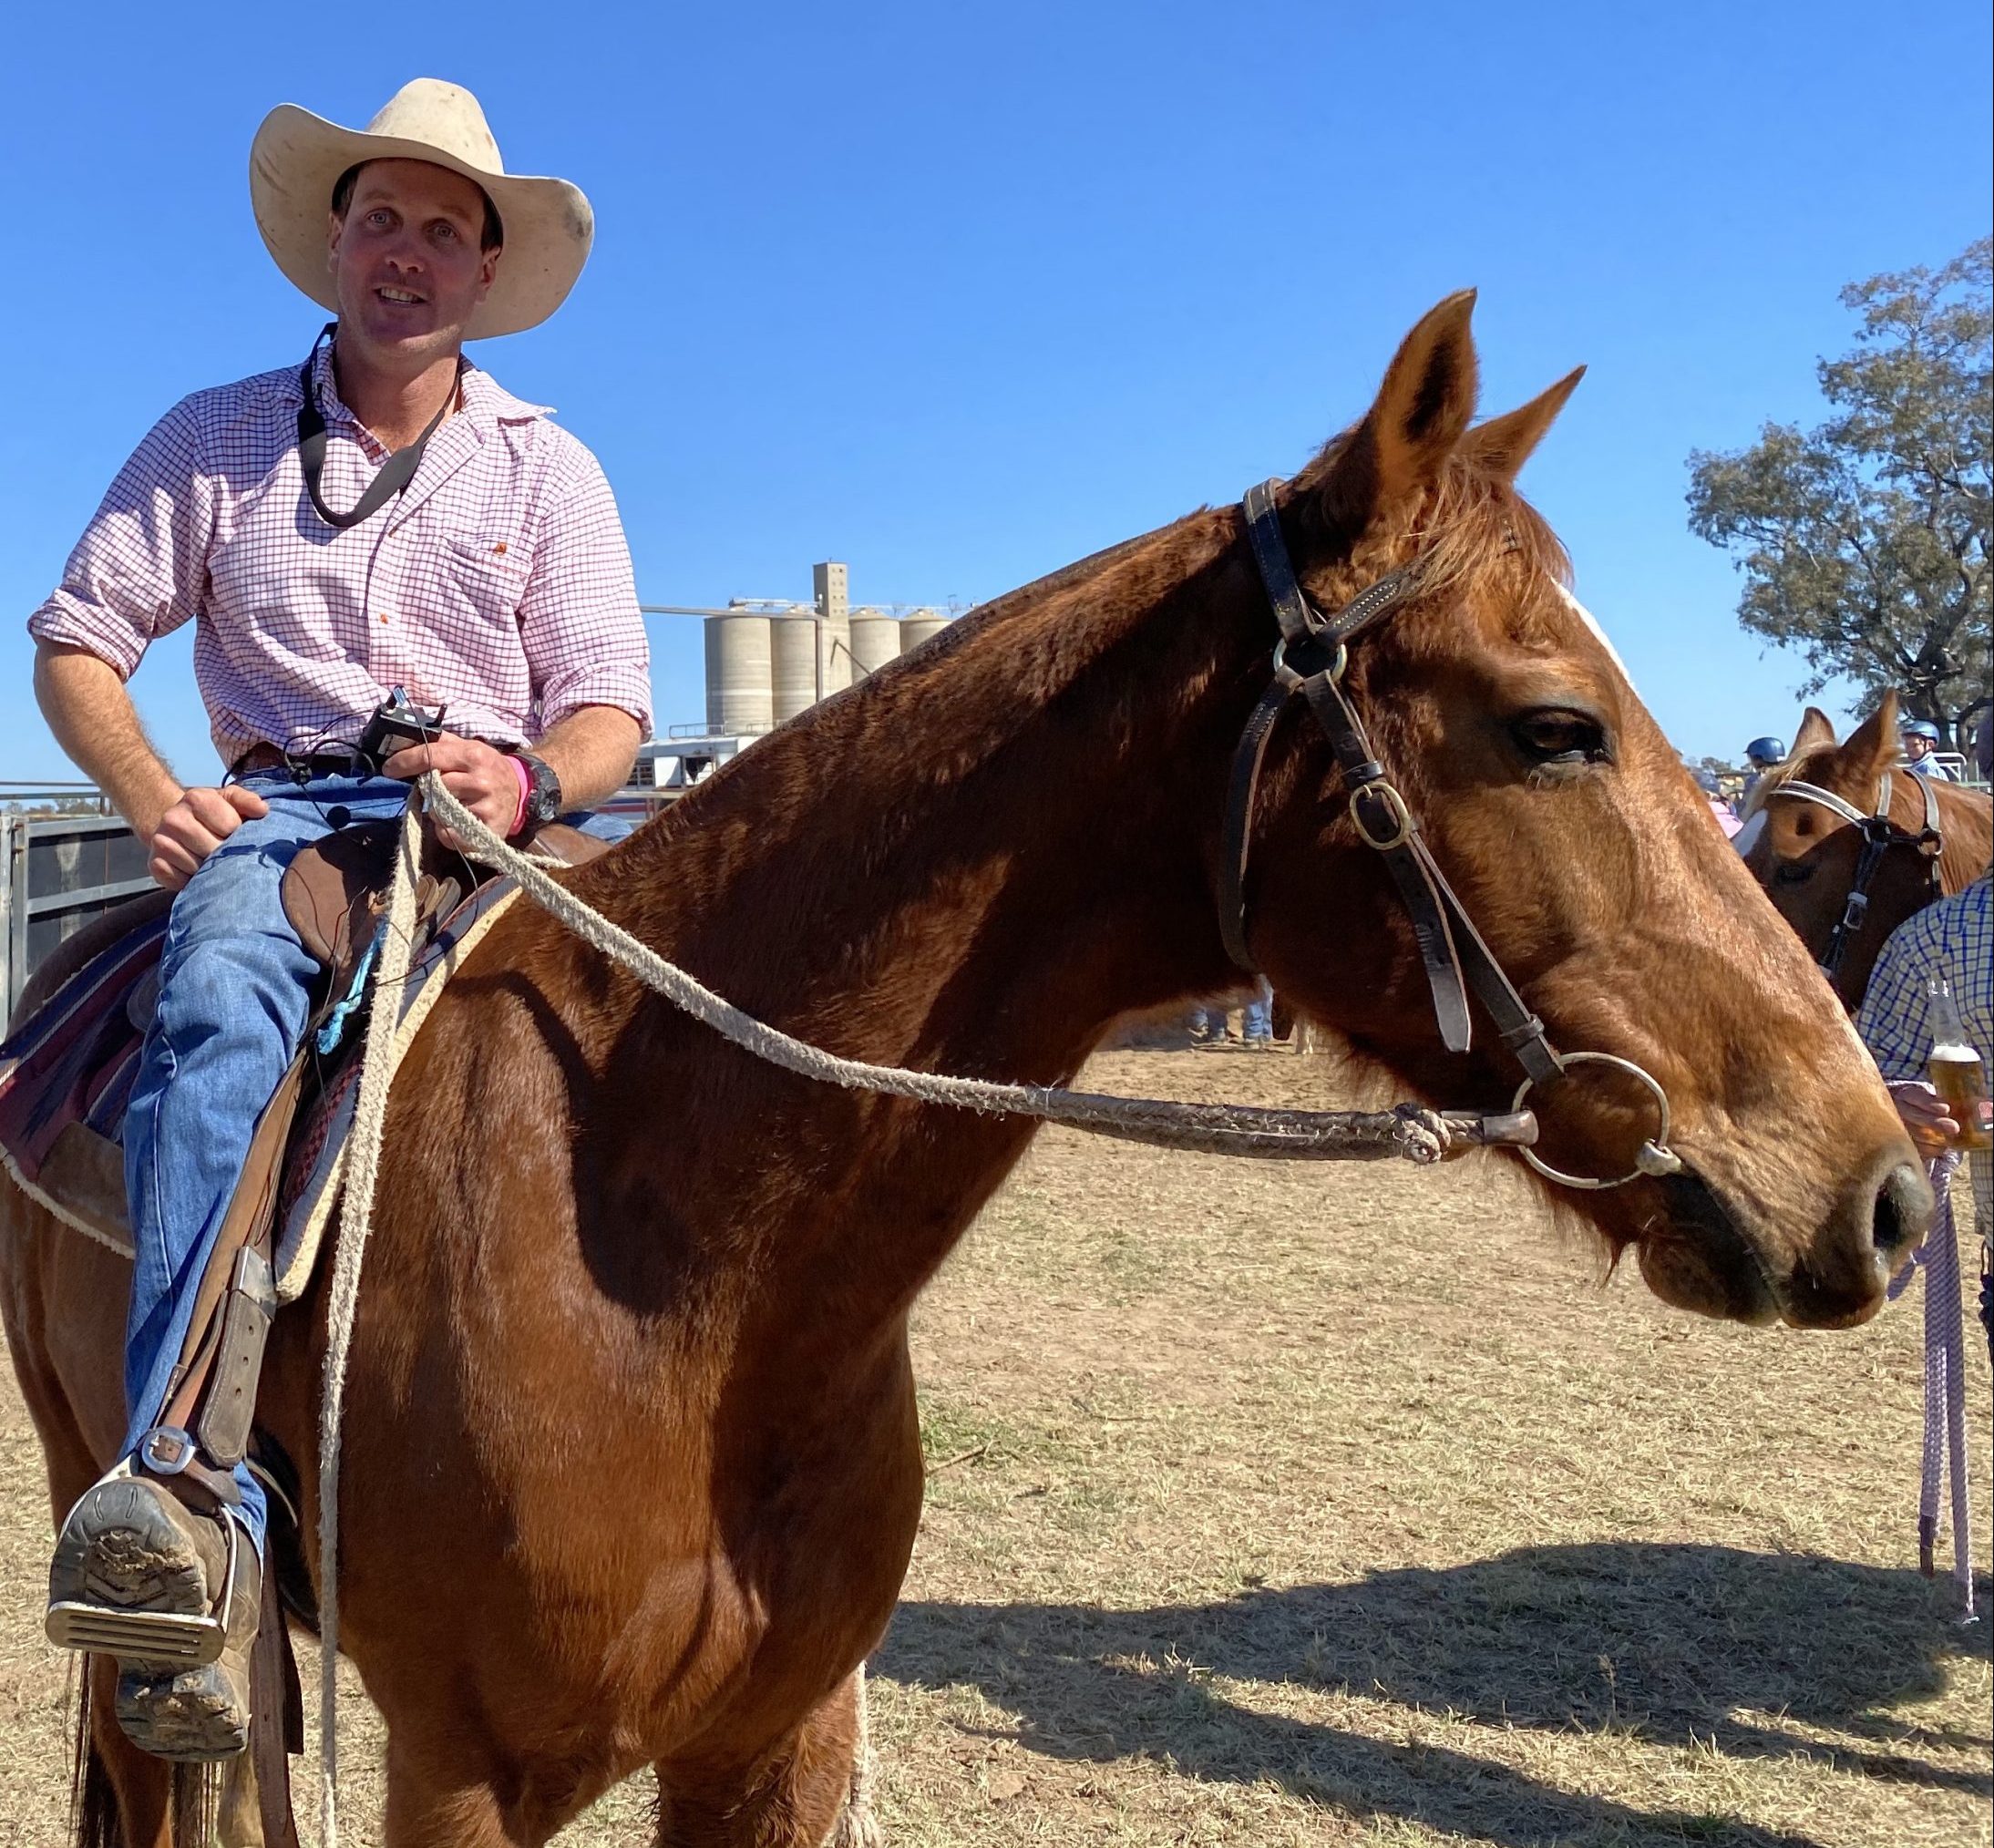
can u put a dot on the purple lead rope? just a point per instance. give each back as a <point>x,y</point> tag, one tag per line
<point>1944,1387</point>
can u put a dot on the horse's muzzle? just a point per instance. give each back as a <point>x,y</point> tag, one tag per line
<point>1842,1278</point>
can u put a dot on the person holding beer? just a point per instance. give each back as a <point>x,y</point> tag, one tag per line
<point>1928,1022</point>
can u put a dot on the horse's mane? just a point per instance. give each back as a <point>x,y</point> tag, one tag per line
<point>1471,521</point>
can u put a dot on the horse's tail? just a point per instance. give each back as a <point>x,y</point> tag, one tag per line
<point>94,1820</point>
<point>195,1807</point>
<point>201,1799</point>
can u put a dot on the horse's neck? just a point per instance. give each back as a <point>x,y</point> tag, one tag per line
<point>973,865</point>
<point>1966,823</point>
<point>985,855</point>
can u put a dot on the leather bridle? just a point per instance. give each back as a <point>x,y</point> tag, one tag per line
<point>1879,835</point>
<point>1310,659</point>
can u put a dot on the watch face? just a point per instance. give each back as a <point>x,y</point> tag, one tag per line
<point>543,801</point>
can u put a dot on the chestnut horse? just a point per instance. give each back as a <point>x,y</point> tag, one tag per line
<point>1806,855</point>
<point>632,1469</point>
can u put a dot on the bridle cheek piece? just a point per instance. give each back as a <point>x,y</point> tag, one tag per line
<point>1879,835</point>
<point>1309,661</point>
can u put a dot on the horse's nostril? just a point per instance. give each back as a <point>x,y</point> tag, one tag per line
<point>1903,1209</point>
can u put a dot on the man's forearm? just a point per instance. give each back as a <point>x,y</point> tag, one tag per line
<point>590,751</point>
<point>97,726</point>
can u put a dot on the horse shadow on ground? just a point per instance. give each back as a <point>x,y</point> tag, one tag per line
<point>1752,1654</point>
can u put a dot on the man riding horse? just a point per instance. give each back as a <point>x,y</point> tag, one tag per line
<point>384,516</point>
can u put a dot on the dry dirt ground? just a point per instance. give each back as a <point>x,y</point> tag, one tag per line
<point>1275,1506</point>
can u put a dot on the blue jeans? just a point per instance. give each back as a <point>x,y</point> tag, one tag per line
<point>1256,1019</point>
<point>235,987</point>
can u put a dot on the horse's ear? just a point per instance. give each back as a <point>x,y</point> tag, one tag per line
<point>1503,445</point>
<point>1421,414</point>
<point>1815,729</point>
<point>1873,746</point>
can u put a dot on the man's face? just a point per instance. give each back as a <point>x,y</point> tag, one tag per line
<point>1916,745</point>
<point>405,259</point>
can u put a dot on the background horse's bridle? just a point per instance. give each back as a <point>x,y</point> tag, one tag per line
<point>1879,834</point>
<point>1310,659</point>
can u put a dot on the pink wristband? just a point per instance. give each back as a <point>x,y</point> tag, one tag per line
<point>526,792</point>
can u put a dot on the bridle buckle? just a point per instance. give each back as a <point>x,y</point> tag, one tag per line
<point>1399,815</point>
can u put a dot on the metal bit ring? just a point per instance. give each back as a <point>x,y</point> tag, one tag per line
<point>1654,1158</point>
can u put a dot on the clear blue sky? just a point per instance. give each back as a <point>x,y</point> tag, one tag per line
<point>959,294</point>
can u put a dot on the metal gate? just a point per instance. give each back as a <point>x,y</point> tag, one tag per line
<point>56,873</point>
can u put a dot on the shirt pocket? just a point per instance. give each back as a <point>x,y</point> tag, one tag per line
<point>485,572</point>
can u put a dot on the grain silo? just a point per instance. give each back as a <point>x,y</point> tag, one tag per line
<point>739,676</point>
<point>794,662</point>
<point>875,640</point>
<point>917,625</point>
<point>829,583</point>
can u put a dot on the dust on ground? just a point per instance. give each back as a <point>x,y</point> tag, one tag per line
<point>1293,1504</point>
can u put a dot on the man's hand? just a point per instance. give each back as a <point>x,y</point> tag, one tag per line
<point>1926,1116</point>
<point>480,777</point>
<point>195,826</point>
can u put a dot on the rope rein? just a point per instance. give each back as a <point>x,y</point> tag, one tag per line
<point>355,1224</point>
<point>1409,1132</point>
<point>1944,1459</point>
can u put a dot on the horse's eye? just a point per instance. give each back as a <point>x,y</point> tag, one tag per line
<point>1554,736</point>
<point>1791,873</point>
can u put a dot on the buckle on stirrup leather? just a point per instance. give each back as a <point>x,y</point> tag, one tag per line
<point>166,1450</point>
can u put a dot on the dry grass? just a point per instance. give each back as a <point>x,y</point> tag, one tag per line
<point>1296,1506</point>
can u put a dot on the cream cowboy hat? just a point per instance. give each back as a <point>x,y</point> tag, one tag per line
<point>297,157</point>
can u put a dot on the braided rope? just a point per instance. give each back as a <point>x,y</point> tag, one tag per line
<point>857,1824</point>
<point>355,1224</point>
<point>1945,1449</point>
<point>1408,1133</point>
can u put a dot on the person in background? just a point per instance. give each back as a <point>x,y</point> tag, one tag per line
<point>1211,1021</point>
<point>1920,743</point>
<point>1762,754</point>
<point>1952,940</point>
<point>1714,794</point>
<point>1256,1019</point>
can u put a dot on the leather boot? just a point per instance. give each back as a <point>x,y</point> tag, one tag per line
<point>173,1596</point>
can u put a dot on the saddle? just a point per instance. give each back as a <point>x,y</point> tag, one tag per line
<point>67,1066</point>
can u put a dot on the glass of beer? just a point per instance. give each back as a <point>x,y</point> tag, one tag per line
<point>1957,1074</point>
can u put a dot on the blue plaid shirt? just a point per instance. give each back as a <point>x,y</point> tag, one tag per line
<point>1953,940</point>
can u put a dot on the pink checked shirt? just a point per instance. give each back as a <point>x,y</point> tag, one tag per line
<point>497,585</point>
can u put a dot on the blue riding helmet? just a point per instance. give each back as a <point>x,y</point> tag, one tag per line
<point>1766,752</point>
<point>1920,728</point>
